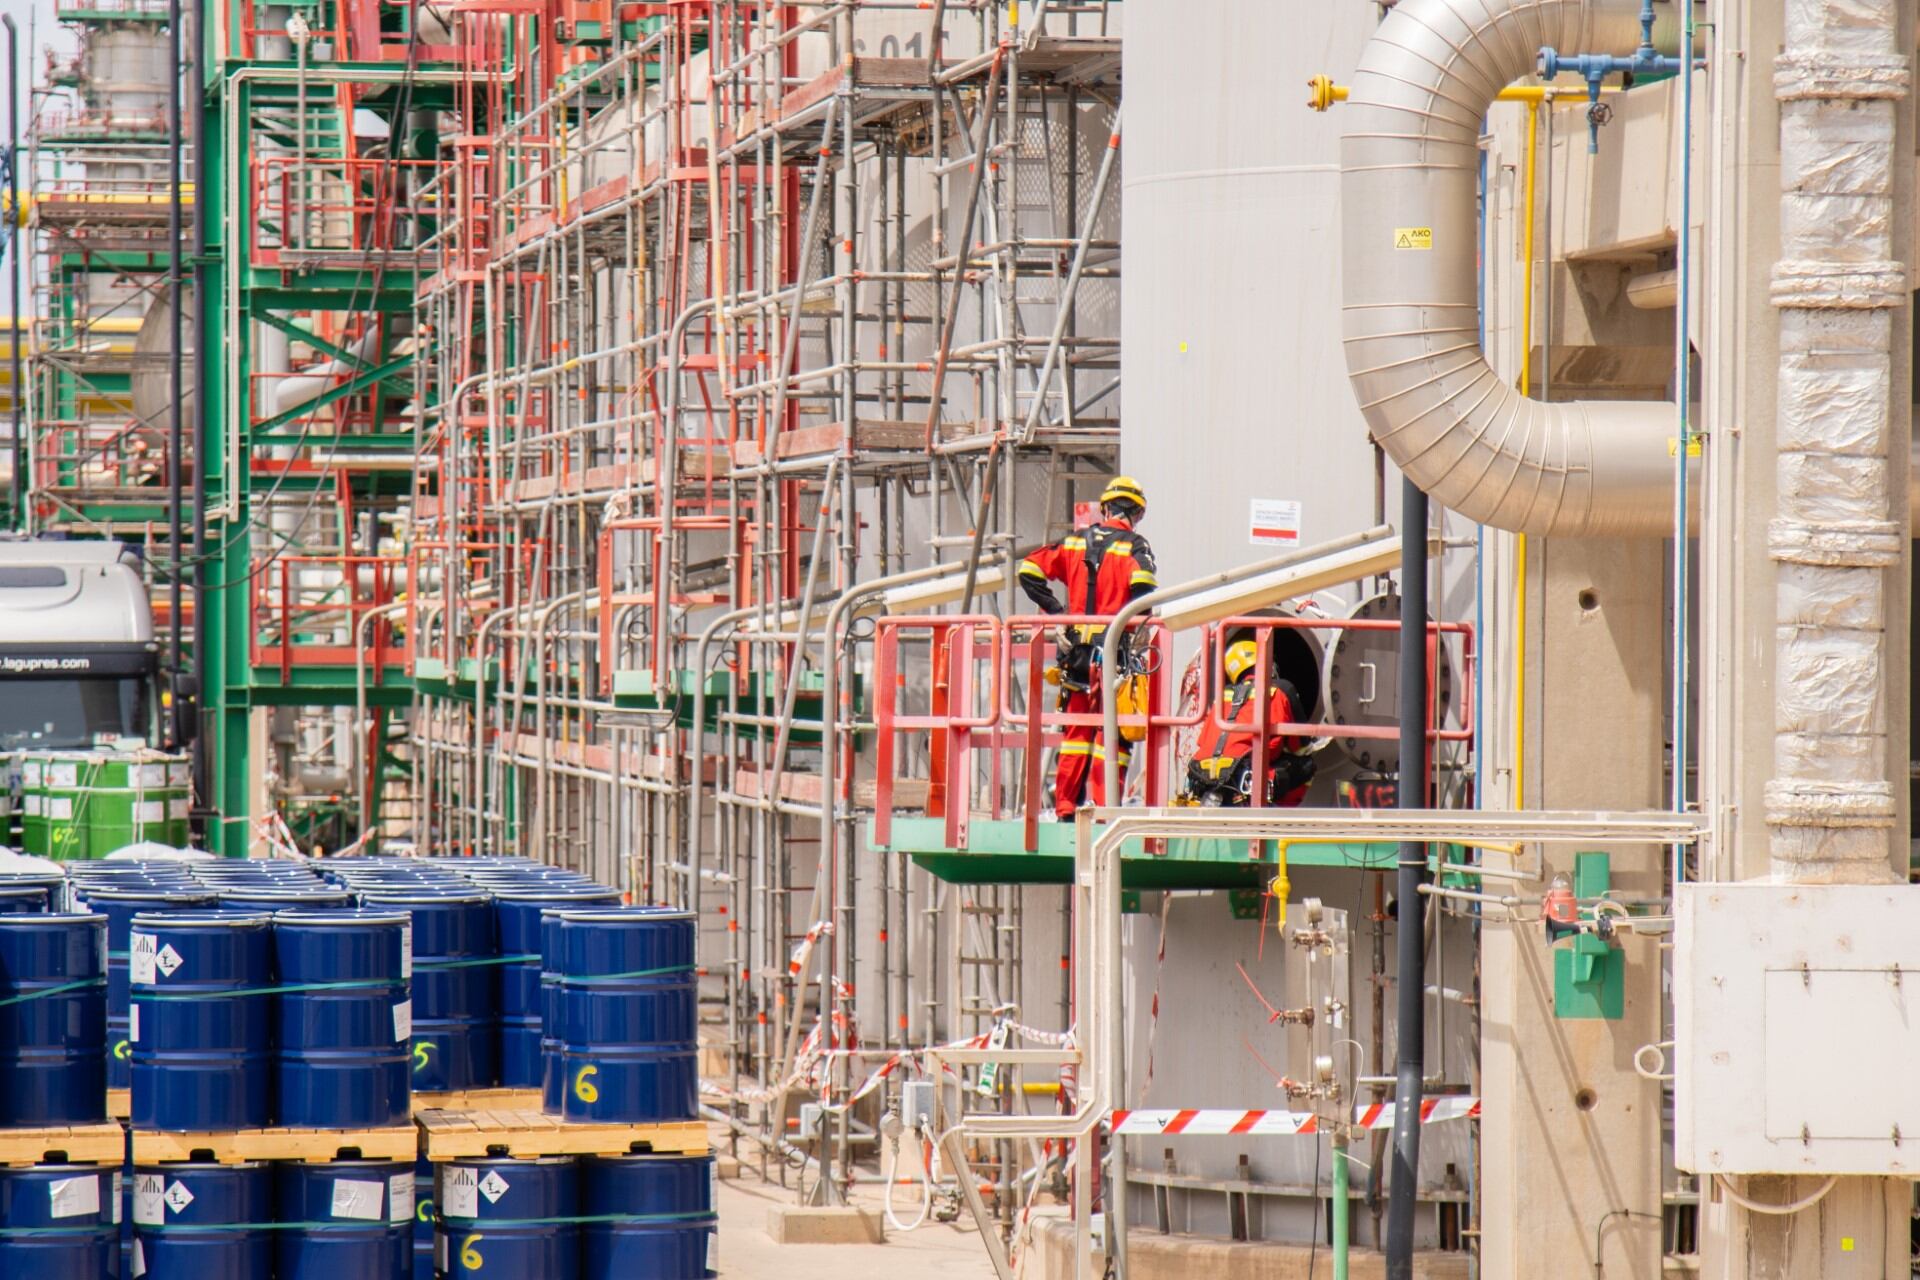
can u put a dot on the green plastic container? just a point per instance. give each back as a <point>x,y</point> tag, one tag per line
<point>77,804</point>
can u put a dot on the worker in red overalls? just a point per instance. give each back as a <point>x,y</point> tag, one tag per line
<point>1221,771</point>
<point>1102,567</point>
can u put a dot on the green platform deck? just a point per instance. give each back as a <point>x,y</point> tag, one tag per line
<point>997,854</point>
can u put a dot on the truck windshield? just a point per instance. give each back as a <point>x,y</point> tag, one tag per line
<point>71,713</point>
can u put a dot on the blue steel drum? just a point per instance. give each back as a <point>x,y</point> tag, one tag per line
<point>203,1221</point>
<point>342,1052</point>
<point>508,1218</point>
<point>455,989</point>
<point>53,882</point>
<point>657,1217</point>
<point>53,1019</point>
<point>629,1015</point>
<point>423,1210</point>
<point>200,1020</point>
<point>349,1220</point>
<point>59,1222</point>
<point>24,899</point>
<point>278,899</point>
<point>517,915</point>
<point>551,1085</point>
<point>120,905</point>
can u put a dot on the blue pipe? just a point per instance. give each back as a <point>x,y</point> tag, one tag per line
<point>1683,397</point>
<point>1596,67</point>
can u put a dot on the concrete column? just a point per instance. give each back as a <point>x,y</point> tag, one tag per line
<point>1570,1133</point>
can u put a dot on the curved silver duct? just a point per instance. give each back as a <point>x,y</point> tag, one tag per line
<point>1410,160</point>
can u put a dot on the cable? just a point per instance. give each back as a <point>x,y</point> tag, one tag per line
<point>893,1167</point>
<point>1775,1210</point>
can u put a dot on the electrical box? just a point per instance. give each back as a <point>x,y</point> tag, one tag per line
<point>916,1102</point>
<point>1797,1028</point>
<point>1589,973</point>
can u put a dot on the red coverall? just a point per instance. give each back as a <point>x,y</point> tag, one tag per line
<point>1215,741</point>
<point>1126,570</point>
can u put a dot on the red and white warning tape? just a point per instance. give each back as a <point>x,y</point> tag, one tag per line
<point>1378,1115</point>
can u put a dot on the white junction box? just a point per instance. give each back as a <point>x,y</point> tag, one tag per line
<point>1797,1028</point>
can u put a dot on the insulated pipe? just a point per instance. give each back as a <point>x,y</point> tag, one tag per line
<point>1409,168</point>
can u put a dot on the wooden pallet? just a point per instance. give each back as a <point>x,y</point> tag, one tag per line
<point>104,1143</point>
<point>311,1146</point>
<point>119,1103</point>
<point>450,1135</point>
<point>478,1100</point>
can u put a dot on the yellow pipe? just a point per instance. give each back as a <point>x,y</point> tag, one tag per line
<point>1322,93</point>
<point>1281,887</point>
<point>1520,539</point>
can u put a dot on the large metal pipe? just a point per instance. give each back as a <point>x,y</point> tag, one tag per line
<point>1409,167</point>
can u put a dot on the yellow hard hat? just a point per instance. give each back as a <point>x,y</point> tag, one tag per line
<point>1240,657</point>
<point>1125,489</point>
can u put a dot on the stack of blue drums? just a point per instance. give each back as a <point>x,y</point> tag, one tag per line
<point>591,1218</point>
<point>53,1019</point>
<point>51,885</point>
<point>455,1023</point>
<point>120,905</point>
<point>203,1221</point>
<point>517,911</point>
<point>200,1020</point>
<point>626,1000</point>
<point>344,1220</point>
<point>647,1215</point>
<point>342,1019</point>
<point>60,1222</point>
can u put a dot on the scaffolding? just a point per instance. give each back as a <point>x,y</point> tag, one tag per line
<point>731,318</point>
<point>99,203</point>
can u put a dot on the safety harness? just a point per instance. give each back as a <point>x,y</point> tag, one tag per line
<point>1230,777</point>
<point>1076,655</point>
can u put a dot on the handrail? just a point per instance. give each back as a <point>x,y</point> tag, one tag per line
<point>1110,647</point>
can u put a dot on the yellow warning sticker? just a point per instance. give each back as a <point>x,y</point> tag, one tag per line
<point>1693,446</point>
<point>1413,237</point>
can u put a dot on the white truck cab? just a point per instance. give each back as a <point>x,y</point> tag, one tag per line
<point>78,659</point>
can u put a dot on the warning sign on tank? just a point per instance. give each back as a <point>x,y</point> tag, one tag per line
<point>1413,237</point>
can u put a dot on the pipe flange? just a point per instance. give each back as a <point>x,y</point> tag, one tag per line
<point>1862,544</point>
<point>1803,802</point>
<point>1820,75</point>
<point>1838,286</point>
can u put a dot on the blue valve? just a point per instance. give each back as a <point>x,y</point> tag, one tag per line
<point>1594,68</point>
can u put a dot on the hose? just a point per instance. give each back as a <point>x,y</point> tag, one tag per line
<point>926,1182</point>
<point>1775,1210</point>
